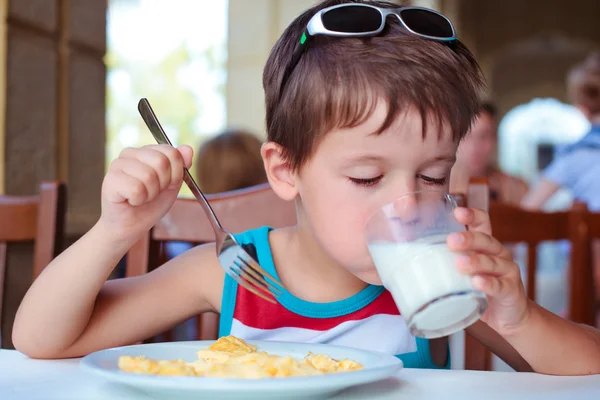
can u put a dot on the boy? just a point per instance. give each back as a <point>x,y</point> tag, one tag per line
<point>353,123</point>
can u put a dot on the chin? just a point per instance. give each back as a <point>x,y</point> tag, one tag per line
<point>371,277</point>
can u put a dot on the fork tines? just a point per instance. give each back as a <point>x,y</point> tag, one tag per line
<point>252,276</point>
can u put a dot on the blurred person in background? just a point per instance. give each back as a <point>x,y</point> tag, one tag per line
<point>477,158</point>
<point>230,161</point>
<point>577,168</point>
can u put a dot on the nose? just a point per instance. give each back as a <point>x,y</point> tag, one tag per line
<point>406,209</point>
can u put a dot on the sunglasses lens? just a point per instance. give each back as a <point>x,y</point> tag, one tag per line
<point>427,23</point>
<point>357,19</point>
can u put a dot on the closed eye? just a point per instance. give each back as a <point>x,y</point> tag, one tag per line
<point>366,182</point>
<point>433,181</point>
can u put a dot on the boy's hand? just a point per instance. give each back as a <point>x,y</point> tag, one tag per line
<point>492,269</point>
<point>140,187</point>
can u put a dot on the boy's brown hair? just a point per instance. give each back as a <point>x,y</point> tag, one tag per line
<point>583,84</point>
<point>230,161</point>
<point>338,81</point>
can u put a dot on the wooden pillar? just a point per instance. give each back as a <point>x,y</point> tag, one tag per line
<point>54,125</point>
<point>253,28</point>
<point>3,12</point>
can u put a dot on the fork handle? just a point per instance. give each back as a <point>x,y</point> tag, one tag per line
<point>161,138</point>
<point>212,218</point>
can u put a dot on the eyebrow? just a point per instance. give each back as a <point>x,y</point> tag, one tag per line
<point>371,158</point>
<point>444,158</point>
<point>363,159</point>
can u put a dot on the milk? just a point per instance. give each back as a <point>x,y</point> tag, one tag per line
<point>431,294</point>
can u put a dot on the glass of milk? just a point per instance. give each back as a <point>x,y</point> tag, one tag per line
<point>407,241</point>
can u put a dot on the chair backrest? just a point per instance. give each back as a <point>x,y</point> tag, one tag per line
<point>593,220</point>
<point>511,224</point>
<point>514,225</point>
<point>38,218</point>
<point>237,211</point>
<point>585,265</point>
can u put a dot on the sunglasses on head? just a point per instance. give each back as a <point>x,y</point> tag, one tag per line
<point>356,20</point>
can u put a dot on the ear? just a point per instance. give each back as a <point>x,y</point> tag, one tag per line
<point>279,172</point>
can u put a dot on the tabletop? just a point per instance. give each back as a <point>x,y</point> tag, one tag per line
<point>24,378</point>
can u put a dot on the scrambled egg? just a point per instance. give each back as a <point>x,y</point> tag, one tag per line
<point>231,357</point>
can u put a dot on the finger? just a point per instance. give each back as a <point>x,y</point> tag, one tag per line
<point>152,154</point>
<point>144,173</point>
<point>159,162</point>
<point>491,285</point>
<point>176,161</point>
<point>125,188</point>
<point>188,154</point>
<point>178,158</point>
<point>483,264</point>
<point>128,152</point>
<point>477,242</point>
<point>474,218</point>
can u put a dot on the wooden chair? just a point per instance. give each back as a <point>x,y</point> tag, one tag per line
<point>40,219</point>
<point>237,211</point>
<point>514,225</point>
<point>588,277</point>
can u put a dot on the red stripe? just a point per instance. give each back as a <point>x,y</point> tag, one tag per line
<point>255,312</point>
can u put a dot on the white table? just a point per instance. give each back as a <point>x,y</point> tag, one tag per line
<point>24,378</point>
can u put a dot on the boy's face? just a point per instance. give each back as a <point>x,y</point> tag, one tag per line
<point>353,172</point>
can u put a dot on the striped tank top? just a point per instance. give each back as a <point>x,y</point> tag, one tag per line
<point>368,320</point>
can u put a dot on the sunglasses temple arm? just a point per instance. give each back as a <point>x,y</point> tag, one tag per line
<point>300,48</point>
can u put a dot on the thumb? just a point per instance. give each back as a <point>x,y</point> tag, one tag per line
<point>187,153</point>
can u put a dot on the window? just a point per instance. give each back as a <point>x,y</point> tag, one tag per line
<point>174,53</point>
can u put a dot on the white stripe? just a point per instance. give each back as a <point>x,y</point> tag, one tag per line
<point>382,332</point>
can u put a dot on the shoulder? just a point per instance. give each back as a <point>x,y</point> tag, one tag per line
<point>569,165</point>
<point>572,157</point>
<point>203,272</point>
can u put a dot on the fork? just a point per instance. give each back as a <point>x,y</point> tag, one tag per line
<point>236,262</point>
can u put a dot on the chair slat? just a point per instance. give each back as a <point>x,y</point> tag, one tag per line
<point>38,219</point>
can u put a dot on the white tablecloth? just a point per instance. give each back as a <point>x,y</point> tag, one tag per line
<point>24,378</point>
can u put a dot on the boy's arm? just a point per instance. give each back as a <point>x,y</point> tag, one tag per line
<point>548,343</point>
<point>71,310</point>
<point>539,195</point>
<point>553,345</point>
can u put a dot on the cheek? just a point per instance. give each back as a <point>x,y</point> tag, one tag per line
<point>336,210</point>
<point>337,216</point>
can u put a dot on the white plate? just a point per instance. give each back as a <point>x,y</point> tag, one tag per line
<point>105,363</point>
